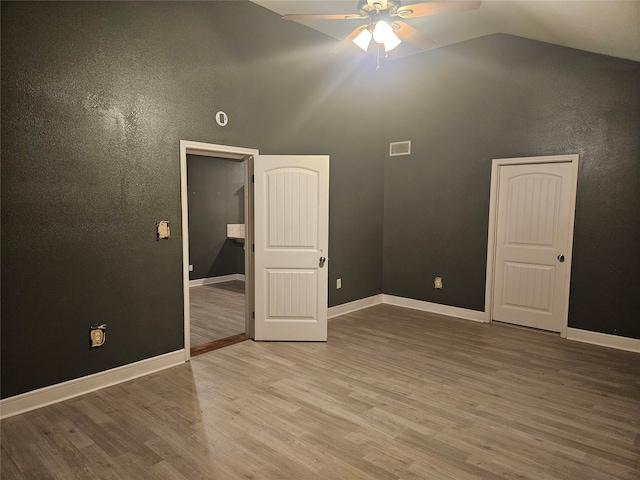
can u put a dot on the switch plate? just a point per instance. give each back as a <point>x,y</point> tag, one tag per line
<point>191,268</point>
<point>163,231</point>
<point>338,283</point>
<point>437,283</point>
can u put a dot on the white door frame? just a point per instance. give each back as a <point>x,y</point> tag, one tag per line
<point>493,216</point>
<point>232,153</point>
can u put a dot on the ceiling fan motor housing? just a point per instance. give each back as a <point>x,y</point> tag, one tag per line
<point>368,7</point>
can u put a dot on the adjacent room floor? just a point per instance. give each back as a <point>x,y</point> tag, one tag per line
<point>394,394</point>
<point>217,311</point>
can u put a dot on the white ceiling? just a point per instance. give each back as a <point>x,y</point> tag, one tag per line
<point>610,27</point>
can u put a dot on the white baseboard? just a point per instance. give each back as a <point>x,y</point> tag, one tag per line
<point>79,386</point>
<point>222,278</point>
<point>447,310</point>
<point>604,339</point>
<point>354,306</point>
<point>63,391</point>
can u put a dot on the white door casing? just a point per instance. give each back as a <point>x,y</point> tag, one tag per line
<point>530,241</point>
<point>221,151</point>
<point>291,208</point>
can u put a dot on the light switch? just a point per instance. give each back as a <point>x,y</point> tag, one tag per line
<point>163,230</point>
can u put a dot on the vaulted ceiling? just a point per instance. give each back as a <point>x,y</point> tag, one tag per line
<point>609,27</point>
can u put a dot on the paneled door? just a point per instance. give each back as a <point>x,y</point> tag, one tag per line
<point>533,237</point>
<point>291,208</point>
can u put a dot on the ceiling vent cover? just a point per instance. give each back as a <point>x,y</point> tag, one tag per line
<point>400,148</point>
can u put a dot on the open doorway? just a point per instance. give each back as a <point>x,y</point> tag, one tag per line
<point>216,222</point>
<point>216,251</point>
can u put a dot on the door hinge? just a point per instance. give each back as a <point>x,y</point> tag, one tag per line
<point>253,247</point>
<point>253,178</point>
<point>253,315</point>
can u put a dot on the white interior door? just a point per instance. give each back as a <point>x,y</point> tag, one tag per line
<point>533,238</point>
<point>291,208</point>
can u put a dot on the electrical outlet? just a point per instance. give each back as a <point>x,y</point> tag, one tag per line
<point>339,283</point>
<point>437,283</point>
<point>98,335</point>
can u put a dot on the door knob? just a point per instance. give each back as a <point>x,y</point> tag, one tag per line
<point>322,260</point>
<point>561,258</point>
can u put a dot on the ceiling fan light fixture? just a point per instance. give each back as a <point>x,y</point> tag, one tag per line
<point>392,42</point>
<point>381,30</point>
<point>383,33</point>
<point>363,39</point>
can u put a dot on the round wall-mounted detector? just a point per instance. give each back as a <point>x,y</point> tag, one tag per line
<point>222,118</point>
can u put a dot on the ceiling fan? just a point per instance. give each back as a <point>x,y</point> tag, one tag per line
<point>384,21</point>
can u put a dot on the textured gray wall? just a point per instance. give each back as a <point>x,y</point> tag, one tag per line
<point>216,198</point>
<point>95,99</point>
<point>500,97</point>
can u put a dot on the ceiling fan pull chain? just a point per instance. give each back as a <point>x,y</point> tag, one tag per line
<point>378,59</point>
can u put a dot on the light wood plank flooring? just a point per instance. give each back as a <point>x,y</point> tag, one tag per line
<point>393,394</point>
<point>217,311</point>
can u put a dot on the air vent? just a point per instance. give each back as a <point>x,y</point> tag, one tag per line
<point>400,148</point>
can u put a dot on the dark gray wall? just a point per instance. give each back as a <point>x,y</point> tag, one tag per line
<point>216,198</point>
<point>95,98</point>
<point>497,97</point>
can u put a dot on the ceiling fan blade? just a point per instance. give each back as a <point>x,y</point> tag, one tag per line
<point>348,40</point>
<point>436,7</point>
<point>311,16</point>
<point>411,35</point>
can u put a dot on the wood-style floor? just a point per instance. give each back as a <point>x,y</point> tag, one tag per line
<point>217,311</point>
<point>393,394</point>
